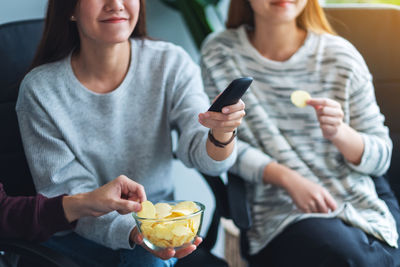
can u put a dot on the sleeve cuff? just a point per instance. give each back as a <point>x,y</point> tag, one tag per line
<point>123,231</point>
<point>58,221</point>
<point>111,230</point>
<point>371,156</point>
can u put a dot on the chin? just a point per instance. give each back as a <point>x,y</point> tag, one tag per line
<point>116,39</point>
<point>286,17</point>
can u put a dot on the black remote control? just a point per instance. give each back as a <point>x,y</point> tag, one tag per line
<point>231,94</point>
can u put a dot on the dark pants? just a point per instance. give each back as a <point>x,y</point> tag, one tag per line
<point>331,242</point>
<point>87,253</point>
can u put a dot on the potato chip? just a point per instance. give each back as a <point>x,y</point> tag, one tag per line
<point>148,210</point>
<point>179,213</point>
<point>162,232</point>
<point>162,210</point>
<point>181,230</point>
<point>186,205</point>
<point>299,98</point>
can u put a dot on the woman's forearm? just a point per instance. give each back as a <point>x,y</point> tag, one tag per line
<point>350,144</point>
<point>276,174</point>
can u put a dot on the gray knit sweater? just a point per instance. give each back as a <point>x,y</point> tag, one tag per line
<point>275,130</point>
<point>76,140</point>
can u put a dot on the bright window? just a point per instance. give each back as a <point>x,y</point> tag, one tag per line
<point>394,2</point>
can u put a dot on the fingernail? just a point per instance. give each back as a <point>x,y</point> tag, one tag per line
<point>206,115</point>
<point>225,110</point>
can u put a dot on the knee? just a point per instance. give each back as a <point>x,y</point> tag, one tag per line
<point>347,255</point>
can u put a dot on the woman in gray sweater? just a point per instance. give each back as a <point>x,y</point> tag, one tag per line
<point>98,103</point>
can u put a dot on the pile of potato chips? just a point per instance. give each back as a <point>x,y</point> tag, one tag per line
<point>167,225</point>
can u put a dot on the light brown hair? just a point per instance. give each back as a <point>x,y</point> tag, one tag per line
<point>311,18</point>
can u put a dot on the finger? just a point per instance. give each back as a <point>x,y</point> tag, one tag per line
<point>333,121</point>
<point>214,124</point>
<point>198,241</point>
<point>218,116</point>
<point>234,108</point>
<point>228,124</point>
<point>133,197</point>
<point>138,239</point>
<point>321,205</point>
<point>306,210</point>
<point>330,111</point>
<point>312,207</point>
<point>164,254</point>
<point>132,189</point>
<point>215,98</point>
<point>138,189</point>
<point>183,252</point>
<point>126,206</point>
<point>330,201</point>
<point>322,102</point>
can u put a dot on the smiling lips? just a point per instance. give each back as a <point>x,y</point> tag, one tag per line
<point>114,20</point>
<point>282,3</point>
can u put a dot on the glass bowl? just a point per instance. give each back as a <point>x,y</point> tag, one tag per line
<point>174,232</point>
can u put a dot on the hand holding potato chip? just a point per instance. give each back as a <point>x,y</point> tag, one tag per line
<point>330,116</point>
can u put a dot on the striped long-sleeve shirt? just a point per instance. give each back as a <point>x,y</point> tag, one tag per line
<point>275,130</point>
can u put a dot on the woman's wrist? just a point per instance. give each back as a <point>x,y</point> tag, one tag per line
<point>350,143</point>
<point>340,136</point>
<point>222,137</point>
<point>221,141</point>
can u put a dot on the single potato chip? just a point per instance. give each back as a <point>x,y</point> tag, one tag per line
<point>162,210</point>
<point>299,98</point>
<point>186,205</point>
<point>148,210</point>
<point>181,230</point>
<point>178,213</point>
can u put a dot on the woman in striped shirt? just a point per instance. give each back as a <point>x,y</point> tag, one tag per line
<point>308,170</point>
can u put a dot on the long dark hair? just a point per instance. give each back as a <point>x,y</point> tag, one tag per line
<point>61,36</point>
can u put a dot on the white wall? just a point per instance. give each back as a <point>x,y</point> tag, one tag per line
<point>12,10</point>
<point>164,24</point>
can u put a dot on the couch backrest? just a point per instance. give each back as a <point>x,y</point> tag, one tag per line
<point>18,43</point>
<point>375,31</point>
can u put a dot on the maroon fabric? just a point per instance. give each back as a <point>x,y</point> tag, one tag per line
<point>33,218</point>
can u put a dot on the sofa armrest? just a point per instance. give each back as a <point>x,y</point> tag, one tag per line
<point>239,207</point>
<point>40,255</point>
